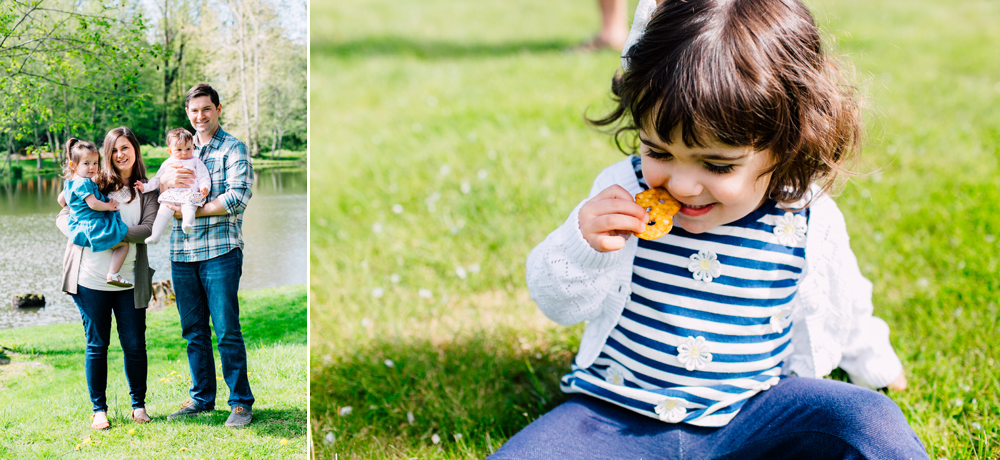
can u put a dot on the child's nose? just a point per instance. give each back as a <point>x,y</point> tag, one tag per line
<point>684,184</point>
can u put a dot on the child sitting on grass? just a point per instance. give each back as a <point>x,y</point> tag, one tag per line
<point>712,341</point>
<point>180,146</point>
<point>94,220</point>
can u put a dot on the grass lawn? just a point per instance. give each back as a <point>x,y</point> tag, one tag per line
<point>449,140</point>
<point>45,407</point>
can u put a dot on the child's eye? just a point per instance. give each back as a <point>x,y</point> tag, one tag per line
<point>661,156</point>
<point>719,169</point>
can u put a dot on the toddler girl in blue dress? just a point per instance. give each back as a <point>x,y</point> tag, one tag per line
<point>712,341</point>
<point>94,220</point>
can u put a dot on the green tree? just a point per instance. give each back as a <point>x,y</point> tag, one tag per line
<point>67,65</point>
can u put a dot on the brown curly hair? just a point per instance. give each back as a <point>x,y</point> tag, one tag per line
<point>746,73</point>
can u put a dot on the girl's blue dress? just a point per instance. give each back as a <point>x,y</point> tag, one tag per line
<point>100,230</point>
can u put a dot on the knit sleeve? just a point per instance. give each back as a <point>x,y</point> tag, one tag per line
<point>566,277</point>
<point>863,339</point>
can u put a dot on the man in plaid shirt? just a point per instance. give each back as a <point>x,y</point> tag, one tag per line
<point>206,263</point>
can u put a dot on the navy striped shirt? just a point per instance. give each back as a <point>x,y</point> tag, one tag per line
<point>706,326</point>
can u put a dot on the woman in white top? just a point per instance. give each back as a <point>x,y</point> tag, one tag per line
<point>84,279</point>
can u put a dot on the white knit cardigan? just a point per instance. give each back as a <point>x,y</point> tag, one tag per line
<point>832,311</point>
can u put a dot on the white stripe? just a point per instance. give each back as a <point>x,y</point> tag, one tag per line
<point>671,360</point>
<point>728,270</point>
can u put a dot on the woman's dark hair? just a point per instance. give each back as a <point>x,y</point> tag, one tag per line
<point>745,73</point>
<point>76,150</point>
<point>110,180</point>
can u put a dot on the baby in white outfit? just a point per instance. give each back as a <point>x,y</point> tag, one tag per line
<point>180,146</point>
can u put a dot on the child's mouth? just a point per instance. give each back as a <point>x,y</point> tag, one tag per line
<point>695,211</point>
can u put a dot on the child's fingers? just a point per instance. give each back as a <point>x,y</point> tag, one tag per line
<point>614,223</point>
<point>608,243</point>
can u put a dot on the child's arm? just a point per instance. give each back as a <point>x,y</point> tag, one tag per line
<point>98,205</point>
<point>204,178</point>
<point>867,354</point>
<point>567,277</point>
<point>61,199</point>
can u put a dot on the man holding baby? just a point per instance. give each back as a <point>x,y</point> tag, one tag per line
<point>207,262</point>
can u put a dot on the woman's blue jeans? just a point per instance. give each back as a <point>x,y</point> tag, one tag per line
<point>797,418</point>
<point>96,308</point>
<point>208,290</point>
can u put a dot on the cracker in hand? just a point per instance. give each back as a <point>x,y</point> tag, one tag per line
<point>661,208</point>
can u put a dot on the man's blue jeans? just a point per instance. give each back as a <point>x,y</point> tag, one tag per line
<point>96,308</point>
<point>208,289</point>
<point>797,418</point>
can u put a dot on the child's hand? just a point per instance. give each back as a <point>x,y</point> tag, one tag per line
<point>610,217</point>
<point>139,186</point>
<point>112,204</point>
<point>899,384</point>
<point>204,192</point>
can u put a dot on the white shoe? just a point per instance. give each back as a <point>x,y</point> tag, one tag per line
<point>186,228</point>
<point>152,240</point>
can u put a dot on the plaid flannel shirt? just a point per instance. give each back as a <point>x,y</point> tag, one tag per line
<point>228,163</point>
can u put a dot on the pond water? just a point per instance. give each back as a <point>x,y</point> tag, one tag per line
<point>31,247</point>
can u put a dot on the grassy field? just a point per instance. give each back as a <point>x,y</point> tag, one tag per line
<point>45,407</point>
<point>449,140</point>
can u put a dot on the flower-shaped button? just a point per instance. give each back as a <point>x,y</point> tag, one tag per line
<point>671,410</point>
<point>693,353</point>
<point>615,374</point>
<point>790,229</point>
<point>705,265</point>
<point>778,321</point>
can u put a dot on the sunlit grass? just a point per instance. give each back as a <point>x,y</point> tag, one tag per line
<point>45,406</point>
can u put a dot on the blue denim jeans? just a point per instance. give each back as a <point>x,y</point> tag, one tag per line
<point>208,290</point>
<point>96,309</point>
<point>797,418</point>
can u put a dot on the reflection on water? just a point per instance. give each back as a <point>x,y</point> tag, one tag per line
<point>31,248</point>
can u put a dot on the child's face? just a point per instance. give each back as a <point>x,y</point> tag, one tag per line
<point>716,184</point>
<point>181,150</point>
<point>88,165</point>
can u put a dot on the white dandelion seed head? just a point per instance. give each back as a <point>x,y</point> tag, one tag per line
<point>377,227</point>
<point>473,268</point>
<point>425,293</point>
<point>544,131</point>
<point>466,187</point>
<point>461,273</point>
<point>389,363</point>
<point>482,174</point>
<point>394,278</point>
<point>458,436</point>
<point>436,439</point>
<point>366,322</point>
<point>378,292</point>
<point>445,169</point>
<point>923,282</point>
<point>346,410</point>
<point>329,438</point>
<point>472,137</point>
<point>364,263</point>
<point>410,418</point>
<point>397,208</point>
<point>491,154</point>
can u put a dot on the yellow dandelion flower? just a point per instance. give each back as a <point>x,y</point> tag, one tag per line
<point>86,441</point>
<point>131,432</point>
<point>78,446</point>
<point>172,373</point>
<point>184,449</point>
<point>163,380</point>
<point>218,378</point>
<point>283,442</point>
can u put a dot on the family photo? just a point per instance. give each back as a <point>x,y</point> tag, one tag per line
<point>154,193</point>
<point>811,273</point>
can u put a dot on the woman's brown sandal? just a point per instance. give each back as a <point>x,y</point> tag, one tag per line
<point>99,425</point>
<point>143,418</point>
